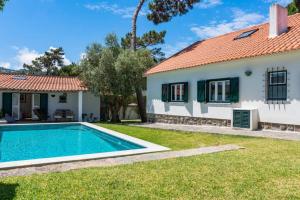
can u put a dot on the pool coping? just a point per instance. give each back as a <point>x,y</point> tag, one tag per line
<point>149,148</point>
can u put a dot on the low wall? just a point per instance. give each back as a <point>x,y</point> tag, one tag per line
<point>173,119</point>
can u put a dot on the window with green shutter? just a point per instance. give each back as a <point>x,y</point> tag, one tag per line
<point>175,92</point>
<point>225,90</point>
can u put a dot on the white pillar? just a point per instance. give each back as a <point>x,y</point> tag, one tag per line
<point>80,106</point>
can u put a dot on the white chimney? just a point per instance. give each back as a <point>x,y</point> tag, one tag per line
<point>278,20</point>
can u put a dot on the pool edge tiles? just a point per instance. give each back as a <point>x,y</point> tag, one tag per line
<point>148,148</point>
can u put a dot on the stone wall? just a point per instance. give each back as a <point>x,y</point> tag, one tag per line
<point>278,127</point>
<point>172,119</point>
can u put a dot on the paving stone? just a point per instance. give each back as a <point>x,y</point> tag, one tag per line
<point>284,135</point>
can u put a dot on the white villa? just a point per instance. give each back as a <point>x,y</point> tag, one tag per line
<point>58,98</point>
<point>245,79</point>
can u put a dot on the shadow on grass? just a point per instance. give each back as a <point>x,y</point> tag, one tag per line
<point>8,191</point>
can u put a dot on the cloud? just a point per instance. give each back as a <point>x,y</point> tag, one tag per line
<point>281,2</point>
<point>170,50</point>
<point>239,21</point>
<point>26,56</point>
<point>5,65</point>
<point>208,4</point>
<point>125,12</point>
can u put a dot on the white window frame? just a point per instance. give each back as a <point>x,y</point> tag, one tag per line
<point>280,72</point>
<point>216,83</point>
<point>181,92</point>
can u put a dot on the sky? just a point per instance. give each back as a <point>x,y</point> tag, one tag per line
<point>28,28</point>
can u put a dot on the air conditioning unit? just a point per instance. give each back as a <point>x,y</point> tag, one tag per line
<point>244,118</point>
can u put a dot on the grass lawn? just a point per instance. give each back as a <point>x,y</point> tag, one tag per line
<point>266,169</point>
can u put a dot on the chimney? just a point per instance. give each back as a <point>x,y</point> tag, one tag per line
<point>278,20</point>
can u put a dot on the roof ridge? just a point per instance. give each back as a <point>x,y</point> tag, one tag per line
<point>37,75</point>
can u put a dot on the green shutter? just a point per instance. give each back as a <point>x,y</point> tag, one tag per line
<point>201,96</point>
<point>186,92</point>
<point>7,103</point>
<point>207,91</point>
<point>44,105</point>
<point>234,90</point>
<point>164,92</point>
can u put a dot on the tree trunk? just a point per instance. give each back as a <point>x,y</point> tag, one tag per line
<point>141,104</point>
<point>134,20</point>
<point>114,114</point>
<point>138,89</point>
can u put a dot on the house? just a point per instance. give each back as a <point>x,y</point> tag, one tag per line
<point>245,79</point>
<point>21,95</point>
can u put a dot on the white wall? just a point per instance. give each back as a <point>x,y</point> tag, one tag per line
<point>53,103</point>
<point>252,89</point>
<point>91,103</point>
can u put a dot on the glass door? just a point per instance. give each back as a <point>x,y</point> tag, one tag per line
<point>35,104</point>
<point>16,106</point>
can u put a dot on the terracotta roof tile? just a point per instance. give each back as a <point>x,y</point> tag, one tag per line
<point>225,48</point>
<point>40,83</point>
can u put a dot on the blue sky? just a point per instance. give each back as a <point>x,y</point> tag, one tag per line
<point>31,27</point>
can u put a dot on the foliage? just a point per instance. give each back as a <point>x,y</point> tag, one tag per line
<point>140,59</point>
<point>2,4</point>
<point>164,10</point>
<point>265,169</point>
<point>104,76</point>
<point>149,40</point>
<point>294,7</point>
<point>48,63</point>
<point>69,70</point>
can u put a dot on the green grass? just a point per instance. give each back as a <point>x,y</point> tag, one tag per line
<point>266,169</point>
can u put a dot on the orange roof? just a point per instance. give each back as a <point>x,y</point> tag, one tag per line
<point>225,48</point>
<point>40,83</point>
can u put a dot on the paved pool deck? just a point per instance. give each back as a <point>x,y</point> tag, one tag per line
<point>283,135</point>
<point>62,167</point>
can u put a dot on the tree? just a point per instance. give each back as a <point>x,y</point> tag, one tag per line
<point>101,74</point>
<point>69,70</point>
<point>48,64</point>
<point>150,41</point>
<point>160,11</point>
<point>2,4</point>
<point>294,7</point>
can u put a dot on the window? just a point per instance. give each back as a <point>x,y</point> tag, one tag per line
<point>246,34</point>
<point>63,98</point>
<point>177,92</point>
<point>277,85</point>
<point>219,91</point>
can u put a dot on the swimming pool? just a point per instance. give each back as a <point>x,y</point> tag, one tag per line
<point>22,145</point>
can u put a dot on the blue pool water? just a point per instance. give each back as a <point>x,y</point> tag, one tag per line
<point>26,142</point>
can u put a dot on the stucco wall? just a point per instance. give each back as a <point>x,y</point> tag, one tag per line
<point>91,103</point>
<point>252,89</point>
